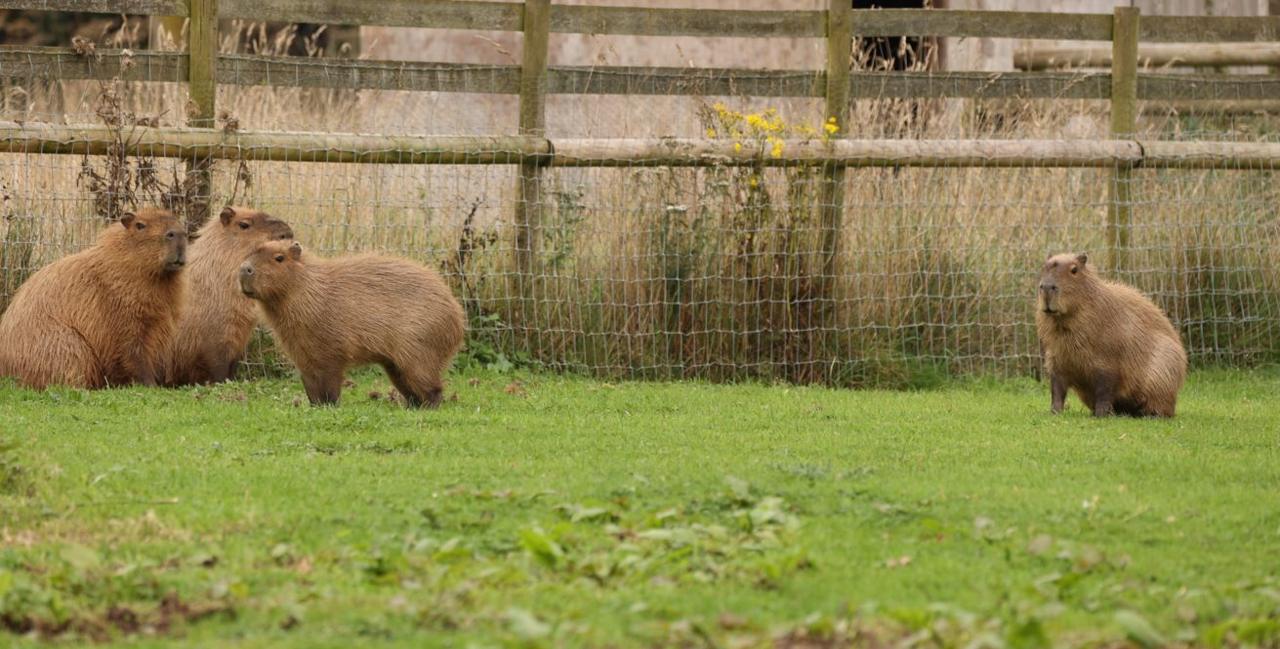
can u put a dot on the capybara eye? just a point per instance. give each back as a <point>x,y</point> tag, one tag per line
<point>140,225</point>
<point>279,258</point>
<point>170,235</point>
<point>1075,269</point>
<point>244,225</point>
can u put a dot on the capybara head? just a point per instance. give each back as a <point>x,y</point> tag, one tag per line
<point>1062,280</point>
<point>152,230</point>
<point>270,271</point>
<point>252,227</point>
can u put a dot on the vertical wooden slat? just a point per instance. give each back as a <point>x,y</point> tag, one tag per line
<point>1124,115</point>
<point>202,51</point>
<point>533,121</point>
<point>839,57</point>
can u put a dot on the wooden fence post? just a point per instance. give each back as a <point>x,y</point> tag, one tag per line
<point>1124,124</point>
<point>839,57</point>
<point>533,121</point>
<point>202,53</point>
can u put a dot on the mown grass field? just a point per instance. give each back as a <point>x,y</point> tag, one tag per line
<point>551,511</point>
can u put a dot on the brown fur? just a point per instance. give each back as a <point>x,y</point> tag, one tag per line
<point>218,320</point>
<point>103,316</point>
<point>330,315</point>
<point>1107,342</point>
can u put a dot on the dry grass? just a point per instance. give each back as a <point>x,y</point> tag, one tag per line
<point>670,272</point>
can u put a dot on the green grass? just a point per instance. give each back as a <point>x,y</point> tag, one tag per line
<point>561,511</point>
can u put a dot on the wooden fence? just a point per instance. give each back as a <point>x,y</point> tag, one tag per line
<point>202,67</point>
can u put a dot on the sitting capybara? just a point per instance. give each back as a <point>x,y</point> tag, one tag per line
<point>101,317</point>
<point>330,315</point>
<point>218,319</point>
<point>1106,341</point>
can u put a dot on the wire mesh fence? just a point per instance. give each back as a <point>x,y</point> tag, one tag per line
<point>720,272</point>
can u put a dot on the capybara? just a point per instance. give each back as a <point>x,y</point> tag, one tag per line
<point>330,315</point>
<point>1107,342</point>
<point>215,326</point>
<point>104,316</point>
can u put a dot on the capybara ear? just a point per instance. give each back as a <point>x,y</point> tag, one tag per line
<point>1083,258</point>
<point>227,214</point>
<point>127,218</point>
<point>295,251</point>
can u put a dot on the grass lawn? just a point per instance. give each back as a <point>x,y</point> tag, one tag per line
<point>554,511</point>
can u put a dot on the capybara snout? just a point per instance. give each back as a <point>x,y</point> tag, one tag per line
<point>177,251</point>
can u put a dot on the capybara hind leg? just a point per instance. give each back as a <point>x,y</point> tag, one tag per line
<point>322,389</point>
<point>418,387</point>
<point>1104,395</point>
<point>64,359</point>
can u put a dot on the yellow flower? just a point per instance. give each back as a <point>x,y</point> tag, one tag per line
<point>777,148</point>
<point>755,121</point>
<point>737,147</point>
<point>753,181</point>
<point>830,126</point>
<point>711,132</point>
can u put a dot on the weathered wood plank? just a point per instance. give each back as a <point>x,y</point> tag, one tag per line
<point>1205,87</point>
<point>686,22</point>
<point>64,63</point>
<point>831,197</point>
<point>141,7</point>
<point>1158,55</point>
<point>982,24</point>
<point>202,68</point>
<point>851,153</point>
<point>189,143</point>
<point>533,122</point>
<point>451,14</point>
<point>684,81</point>
<point>36,138</point>
<point>247,70</point>
<point>1124,120</point>
<point>1209,29</point>
<point>983,85</point>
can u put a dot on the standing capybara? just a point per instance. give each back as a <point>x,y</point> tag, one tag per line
<point>218,319</point>
<point>101,317</point>
<point>330,315</point>
<point>1106,341</point>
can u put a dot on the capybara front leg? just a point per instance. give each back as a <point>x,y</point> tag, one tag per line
<point>1104,395</point>
<point>1057,393</point>
<point>322,389</point>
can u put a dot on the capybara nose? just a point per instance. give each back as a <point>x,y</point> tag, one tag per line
<point>1049,288</point>
<point>246,270</point>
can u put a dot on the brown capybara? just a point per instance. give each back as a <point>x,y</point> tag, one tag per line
<point>218,319</point>
<point>1107,342</point>
<point>104,316</point>
<point>330,315</point>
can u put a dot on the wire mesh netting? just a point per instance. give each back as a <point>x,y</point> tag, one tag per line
<point>716,272</point>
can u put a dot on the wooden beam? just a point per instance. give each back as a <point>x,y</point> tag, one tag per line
<point>1209,29</point>
<point>836,113</point>
<point>202,52</point>
<point>117,7</point>
<point>442,14</point>
<point>687,22</point>
<point>188,143</point>
<point>1159,55</point>
<point>533,122</point>
<point>982,24</point>
<point>1124,124</point>
<point>193,144</point>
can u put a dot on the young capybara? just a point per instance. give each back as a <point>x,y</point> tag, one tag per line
<point>330,315</point>
<point>1107,342</point>
<point>101,317</point>
<point>218,319</point>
